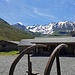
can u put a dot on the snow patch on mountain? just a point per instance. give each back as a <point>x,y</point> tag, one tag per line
<point>20,23</point>
<point>44,29</point>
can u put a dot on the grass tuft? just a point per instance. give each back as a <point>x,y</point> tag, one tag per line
<point>9,53</point>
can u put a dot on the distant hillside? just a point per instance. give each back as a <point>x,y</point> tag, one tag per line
<point>8,32</point>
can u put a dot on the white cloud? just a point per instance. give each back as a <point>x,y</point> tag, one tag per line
<point>44,14</point>
<point>7,0</point>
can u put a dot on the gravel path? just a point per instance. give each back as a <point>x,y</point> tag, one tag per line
<point>38,63</point>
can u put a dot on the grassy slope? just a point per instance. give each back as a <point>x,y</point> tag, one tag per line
<point>8,32</point>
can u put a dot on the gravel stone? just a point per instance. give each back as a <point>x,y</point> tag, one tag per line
<point>38,65</point>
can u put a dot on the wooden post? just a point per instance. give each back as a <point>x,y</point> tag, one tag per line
<point>58,65</point>
<point>29,65</point>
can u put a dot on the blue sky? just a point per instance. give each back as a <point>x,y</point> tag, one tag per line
<point>31,12</point>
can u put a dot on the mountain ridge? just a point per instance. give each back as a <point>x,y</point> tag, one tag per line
<point>51,28</point>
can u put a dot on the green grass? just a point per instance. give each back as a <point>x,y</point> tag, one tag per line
<point>9,53</point>
<point>7,32</point>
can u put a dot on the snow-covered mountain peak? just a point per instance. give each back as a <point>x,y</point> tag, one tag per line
<point>20,23</point>
<point>61,23</point>
<point>51,27</point>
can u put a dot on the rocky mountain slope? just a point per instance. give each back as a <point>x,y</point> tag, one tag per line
<point>63,27</point>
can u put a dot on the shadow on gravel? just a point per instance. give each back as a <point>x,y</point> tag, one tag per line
<point>67,55</point>
<point>41,55</point>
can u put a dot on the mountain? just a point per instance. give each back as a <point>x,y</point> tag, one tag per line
<point>24,28</point>
<point>53,28</point>
<point>8,32</point>
<point>20,26</point>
